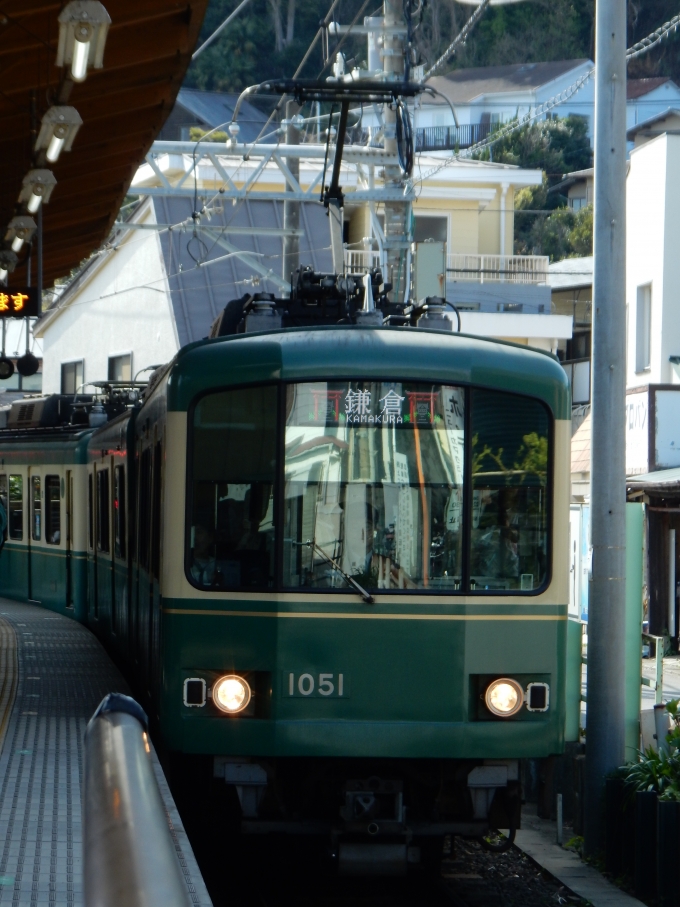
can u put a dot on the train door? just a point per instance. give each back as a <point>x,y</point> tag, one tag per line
<point>143,526</point>
<point>91,561</point>
<point>103,539</point>
<point>119,600</point>
<point>68,538</point>
<point>34,534</point>
<point>153,659</point>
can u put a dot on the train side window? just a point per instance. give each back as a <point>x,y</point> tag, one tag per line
<point>90,512</point>
<point>16,507</point>
<point>230,542</point>
<point>36,509</point>
<point>3,500</point>
<point>510,471</point>
<point>156,512</point>
<point>103,510</point>
<point>52,510</point>
<point>144,478</point>
<point>119,515</point>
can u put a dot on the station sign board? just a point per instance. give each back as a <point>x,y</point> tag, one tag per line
<point>19,302</point>
<point>652,428</point>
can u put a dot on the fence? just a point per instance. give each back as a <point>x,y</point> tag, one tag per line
<point>532,269</point>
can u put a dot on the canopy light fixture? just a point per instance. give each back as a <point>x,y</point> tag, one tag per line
<point>37,187</point>
<point>83,26</point>
<point>20,230</point>
<point>59,128</point>
<point>8,262</point>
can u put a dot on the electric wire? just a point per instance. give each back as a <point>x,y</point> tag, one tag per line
<point>460,38</point>
<point>642,47</point>
<point>220,28</point>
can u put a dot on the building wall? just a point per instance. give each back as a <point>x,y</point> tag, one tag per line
<point>121,306</point>
<point>653,239</point>
<point>508,105</point>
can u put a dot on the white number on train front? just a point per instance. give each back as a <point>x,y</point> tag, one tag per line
<point>306,684</point>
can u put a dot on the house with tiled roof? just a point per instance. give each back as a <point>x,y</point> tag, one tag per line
<point>484,97</point>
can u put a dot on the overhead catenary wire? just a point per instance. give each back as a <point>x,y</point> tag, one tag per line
<point>218,31</point>
<point>460,38</point>
<point>641,47</point>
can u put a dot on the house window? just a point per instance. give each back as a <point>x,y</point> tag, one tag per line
<point>72,376</point>
<point>120,368</point>
<point>427,227</point>
<point>577,203</point>
<point>643,329</point>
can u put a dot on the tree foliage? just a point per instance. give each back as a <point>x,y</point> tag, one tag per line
<point>269,38</point>
<point>543,223</point>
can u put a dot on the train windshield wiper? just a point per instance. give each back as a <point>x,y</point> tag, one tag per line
<point>367,597</point>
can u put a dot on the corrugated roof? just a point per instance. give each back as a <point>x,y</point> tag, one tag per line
<point>580,447</point>
<point>653,121</point>
<point>571,273</point>
<point>217,108</point>
<point>662,479</point>
<point>199,294</point>
<point>464,85</point>
<point>636,88</point>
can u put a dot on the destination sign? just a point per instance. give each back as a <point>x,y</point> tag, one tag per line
<point>19,302</point>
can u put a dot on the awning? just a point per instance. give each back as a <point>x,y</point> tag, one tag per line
<point>123,106</point>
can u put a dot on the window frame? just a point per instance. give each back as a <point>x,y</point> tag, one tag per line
<point>279,387</point>
<point>74,362</point>
<point>36,483</point>
<point>120,539</point>
<point>17,475</point>
<point>103,519</point>
<point>51,480</point>
<point>643,328</point>
<point>116,356</point>
<point>279,588</point>
<point>4,501</point>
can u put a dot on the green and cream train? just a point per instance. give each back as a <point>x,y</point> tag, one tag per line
<point>334,560</point>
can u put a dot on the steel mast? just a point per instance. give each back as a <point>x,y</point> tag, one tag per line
<point>605,746</point>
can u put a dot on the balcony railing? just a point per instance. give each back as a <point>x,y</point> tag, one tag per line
<point>497,268</point>
<point>440,138</point>
<point>358,261</point>
<point>531,269</point>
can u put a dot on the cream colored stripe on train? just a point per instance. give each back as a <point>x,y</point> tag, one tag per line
<point>8,674</point>
<point>310,615</point>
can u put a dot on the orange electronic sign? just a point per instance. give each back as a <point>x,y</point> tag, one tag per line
<point>18,302</point>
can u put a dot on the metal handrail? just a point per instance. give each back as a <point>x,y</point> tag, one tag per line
<point>128,854</point>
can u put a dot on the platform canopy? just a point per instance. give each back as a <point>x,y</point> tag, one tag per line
<point>122,106</point>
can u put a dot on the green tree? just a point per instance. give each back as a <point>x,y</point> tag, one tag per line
<point>556,147</point>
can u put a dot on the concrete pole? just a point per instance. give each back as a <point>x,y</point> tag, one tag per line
<point>605,739</point>
<point>291,210</point>
<point>397,214</point>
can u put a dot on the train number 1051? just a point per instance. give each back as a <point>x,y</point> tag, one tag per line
<point>315,684</point>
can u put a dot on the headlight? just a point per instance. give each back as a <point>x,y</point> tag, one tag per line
<point>504,697</point>
<point>231,694</point>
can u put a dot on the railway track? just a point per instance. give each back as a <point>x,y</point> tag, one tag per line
<point>468,877</point>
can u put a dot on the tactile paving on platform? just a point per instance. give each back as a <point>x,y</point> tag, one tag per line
<point>56,673</point>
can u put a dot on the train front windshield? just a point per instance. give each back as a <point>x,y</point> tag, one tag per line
<point>402,486</point>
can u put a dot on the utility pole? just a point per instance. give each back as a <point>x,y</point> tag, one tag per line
<point>397,214</point>
<point>291,209</point>
<point>605,741</point>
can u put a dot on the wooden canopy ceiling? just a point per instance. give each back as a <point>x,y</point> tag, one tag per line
<point>123,106</point>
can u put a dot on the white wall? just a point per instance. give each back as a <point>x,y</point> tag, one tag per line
<point>509,105</point>
<point>652,243</point>
<point>122,306</point>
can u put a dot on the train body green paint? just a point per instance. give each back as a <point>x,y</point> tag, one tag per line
<point>336,682</point>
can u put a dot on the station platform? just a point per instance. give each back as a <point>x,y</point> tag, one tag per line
<point>53,675</point>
